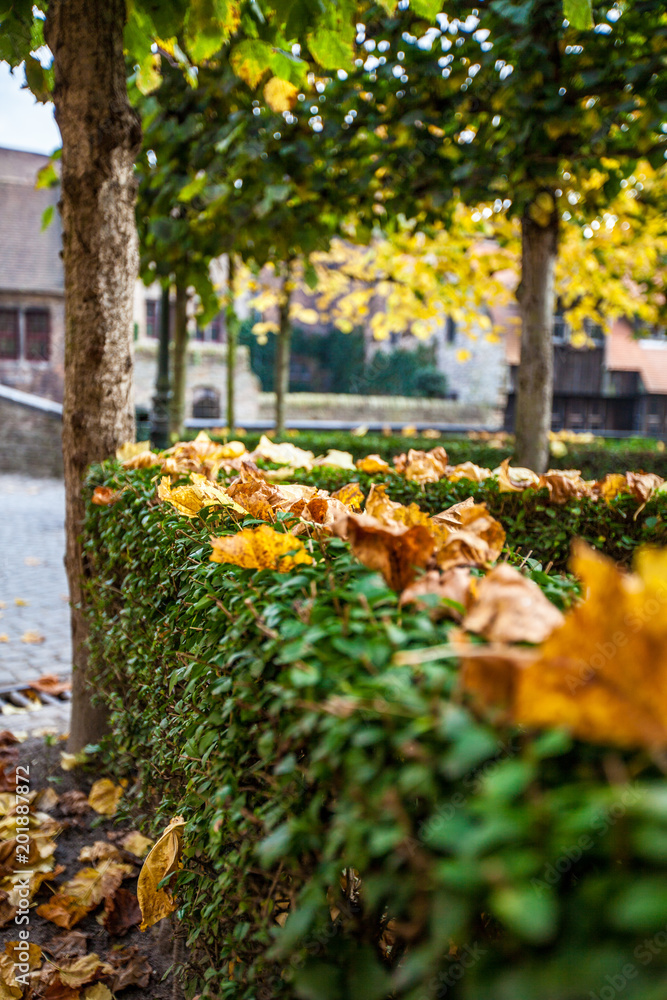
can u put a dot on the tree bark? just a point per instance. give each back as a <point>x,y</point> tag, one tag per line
<point>231,324</point>
<point>179,362</point>
<point>534,391</point>
<point>283,352</point>
<point>101,134</point>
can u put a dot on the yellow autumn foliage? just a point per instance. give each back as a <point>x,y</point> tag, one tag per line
<point>261,548</point>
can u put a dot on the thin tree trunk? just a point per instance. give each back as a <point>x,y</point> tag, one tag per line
<point>101,135</point>
<point>283,346</point>
<point>535,376</point>
<point>179,361</point>
<point>232,327</point>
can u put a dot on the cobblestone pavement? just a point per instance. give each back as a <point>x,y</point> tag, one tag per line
<point>33,586</point>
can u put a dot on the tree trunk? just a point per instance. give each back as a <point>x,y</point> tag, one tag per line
<point>534,390</point>
<point>179,362</point>
<point>101,135</point>
<point>283,353</point>
<point>232,327</point>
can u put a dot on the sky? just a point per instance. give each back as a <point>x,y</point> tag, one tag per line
<point>24,123</point>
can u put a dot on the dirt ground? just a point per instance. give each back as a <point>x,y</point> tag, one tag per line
<point>79,828</point>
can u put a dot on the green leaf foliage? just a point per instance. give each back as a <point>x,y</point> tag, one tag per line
<point>321,779</point>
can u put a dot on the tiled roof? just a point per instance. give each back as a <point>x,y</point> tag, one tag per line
<point>29,258</point>
<point>648,357</point>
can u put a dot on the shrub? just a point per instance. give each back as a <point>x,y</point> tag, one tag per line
<point>418,850</point>
<point>594,461</point>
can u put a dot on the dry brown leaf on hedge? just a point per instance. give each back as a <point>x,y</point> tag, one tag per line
<point>396,550</point>
<point>564,485</point>
<point>322,511</point>
<point>379,505</point>
<point>104,496</point>
<point>351,495</point>
<point>130,968</point>
<point>643,485</point>
<point>452,516</point>
<point>190,499</point>
<point>468,470</point>
<point>162,860</point>
<point>282,454</point>
<point>142,460</point>
<point>136,843</point>
<point>513,480</point>
<point>204,449</point>
<point>261,548</point>
<point>337,459</point>
<point>373,464</point>
<point>121,913</point>
<point>254,497</point>
<point>478,542</point>
<point>423,466</point>
<point>508,607</point>
<point>452,585</point>
<point>104,797</point>
<point>603,673</point>
<point>491,675</point>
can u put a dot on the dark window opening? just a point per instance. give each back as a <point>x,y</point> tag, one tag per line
<point>9,334</point>
<point>206,404</point>
<point>152,318</point>
<point>450,330</point>
<point>37,334</point>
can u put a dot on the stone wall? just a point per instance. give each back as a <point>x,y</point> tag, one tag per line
<point>30,435</point>
<point>207,369</point>
<point>381,409</point>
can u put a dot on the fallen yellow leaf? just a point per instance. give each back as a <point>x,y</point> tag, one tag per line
<point>161,861</point>
<point>104,797</point>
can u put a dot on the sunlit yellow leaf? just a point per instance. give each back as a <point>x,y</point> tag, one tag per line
<point>189,500</point>
<point>261,548</point>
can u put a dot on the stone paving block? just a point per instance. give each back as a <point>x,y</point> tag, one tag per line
<point>33,585</point>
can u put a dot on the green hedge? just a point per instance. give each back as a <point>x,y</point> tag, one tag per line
<point>594,460</point>
<point>271,712</point>
<point>533,524</point>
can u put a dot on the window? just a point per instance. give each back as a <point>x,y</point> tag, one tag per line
<point>450,330</point>
<point>215,329</point>
<point>152,318</point>
<point>561,330</point>
<point>9,334</point>
<point>206,404</point>
<point>37,334</point>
